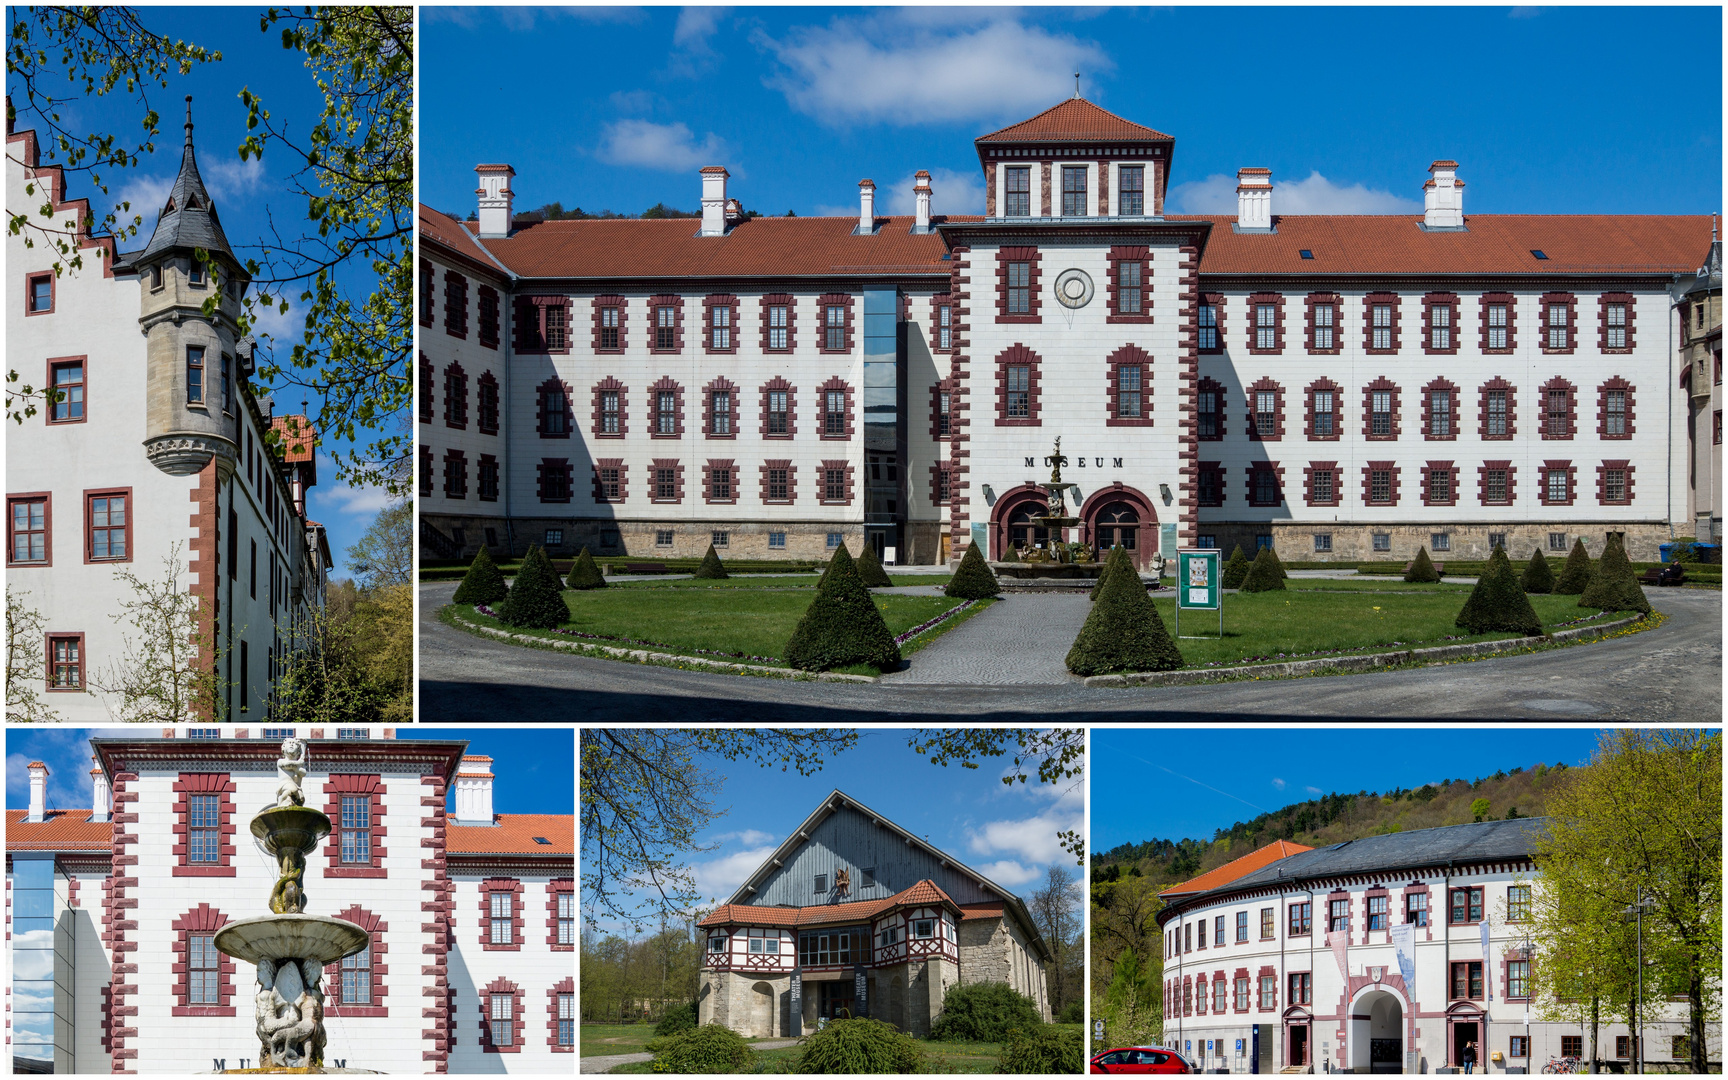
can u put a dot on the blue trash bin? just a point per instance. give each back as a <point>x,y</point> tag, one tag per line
<point>1669,551</point>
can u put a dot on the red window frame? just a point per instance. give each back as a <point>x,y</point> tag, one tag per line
<point>334,1004</point>
<point>426,377</point>
<point>942,304</point>
<point>1369,302</point>
<point>187,785</point>
<point>1602,471</point>
<point>1017,355</point>
<point>1276,302</point>
<point>81,662</point>
<point>712,469</point>
<point>1252,394</point>
<point>487,478</point>
<point>1616,384</point>
<point>30,281</point>
<point>1511,392</point>
<point>1033,258</point>
<point>1337,392</point>
<point>47,501</point>
<point>1452,411</point>
<point>772,466</point>
<point>202,920</point>
<point>1210,386</point>
<point>616,466</point>
<point>562,388</point>
<point>823,303</point>
<point>1204,471</point>
<point>834,385</point>
<point>1571,414</point>
<point>1428,471</point>
<point>555,480</point>
<point>52,389</point>
<point>455,305</point>
<point>532,322</point>
<point>513,887</point>
<point>1545,313</point>
<point>1125,357</point>
<point>790,303</point>
<point>1510,303</point>
<point>1316,468</point>
<point>1511,472</point>
<point>1257,469</point>
<point>1630,327</point>
<point>710,305</point>
<point>1214,301</point>
<point>1549,467</point>
<point>455,396</point>
<point>565,988</point>
<point>1392,470</point>
<point>1430,303</point>
<point>370,786</point>
<point>428,292</point>
<point>554,889</point>
<point>828,469</point>
<point>599,307</point>
<point>487,309</point>
<point>598,417</point>
<point>1386,385</point>
<point>676,468</point>
<point>666,385</point>
<point>486,394</point>
<point>780,386</point>
<point>505,988</point>
<point>1140,256</point>
<point>725,386</point>
<point>1336,301</point>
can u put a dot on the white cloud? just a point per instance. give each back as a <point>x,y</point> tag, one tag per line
<point>914,68</point>
<point>952,193</point>
<point>344,497</point>
<point>1316,195</point>
<point>1277,783</point>
<point>1009,873</point>
<point>146,196</point>
<point>230,178</point>
<point>720,878</point>
<point>1313,791</point>
<point>283,328</point>
<point>1031,839</point>
<point>691,51</point>
<point>632,101</point>
<point>747,837</point>
<point>669,147</point>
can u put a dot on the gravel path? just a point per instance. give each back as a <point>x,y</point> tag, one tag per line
<point>600,1063</point>
<point>1020,641</point>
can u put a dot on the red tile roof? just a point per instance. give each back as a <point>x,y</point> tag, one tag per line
<point>514,835</point>
<point>65,830</point>
<point>981,911</point>
<point>921,894</point>
<point>1236,868</point>
<point>299,437</point>
<point>1072,120</point>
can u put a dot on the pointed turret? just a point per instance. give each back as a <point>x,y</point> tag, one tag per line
<point>188,220</point>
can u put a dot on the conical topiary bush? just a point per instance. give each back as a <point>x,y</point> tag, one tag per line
<point>1422,568</point>
<point>1614,585</point>
<point>1538,575</point>
<point>842,626</point>
<point>1264,575</point>
<point>535,600</point>
<point>584,574</point>
<point>711,568</point>
<point>1236,569</point>
<point>973,579</point>
<point>1283,574</point>
<point>1575,575</point>
<point>1123,631</point>
<point>1498,603</point>
<point>483,583</point>
<point>870,570</point>
<point>1110,566</point>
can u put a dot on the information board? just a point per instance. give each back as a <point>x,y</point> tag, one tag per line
<point>1199,581</point>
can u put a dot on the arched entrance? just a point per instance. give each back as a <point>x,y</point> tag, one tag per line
<point>762,1010</point>
<point>1011,521</point>
<point>1377,1033</point>
<point>1120,515</point>
<point>1298,1049</point>
<point>1463,1027</point>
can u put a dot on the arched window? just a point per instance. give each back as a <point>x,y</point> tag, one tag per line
<point>1023,531</point>
<point>1118,525</point>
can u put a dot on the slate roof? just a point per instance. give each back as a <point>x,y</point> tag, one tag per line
<point>1073,120</point>
<point>188,220</point>
<point>65,830</point>
<point>1236,868</point>
<point>920,894</point>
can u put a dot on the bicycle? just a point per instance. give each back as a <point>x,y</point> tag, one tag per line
<point>1564,1065</point>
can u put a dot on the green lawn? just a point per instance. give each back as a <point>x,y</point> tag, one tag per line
<point>614,1038</point>
<point>1296,584</point>
<point>939,1057</point>
<point>760,581</point>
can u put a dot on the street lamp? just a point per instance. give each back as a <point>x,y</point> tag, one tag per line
<point>1637,910</point>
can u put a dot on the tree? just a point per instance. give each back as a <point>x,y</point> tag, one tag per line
<point>25,663</point>
<point>870,570</point>
<point>1497,603</point>
<point>168,670</point>
<point>484,582</point>
<point>383,622</point>
<point>711,568</point>
<point>327,679</point>
<point>1055,909</point>
<point>1575,575</point>
<point>973,579</point>
<point>1122,631</point>
<point>585,575</point>
<point>1479,808</point>
<point>536,599</point>
<point>1236,569</point>
<point>1422,568</point>
<point>1266,575</point>
<point>842,626</point>
<point>1614,584</point>
<point>384,554</point>
<point>1538,575</point>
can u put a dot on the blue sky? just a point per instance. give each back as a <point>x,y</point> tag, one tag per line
<point>243,192</point>
<point>1568,110</point>
<point>535,767</point>
<point>1173,783</point>
<point>1007,834</point>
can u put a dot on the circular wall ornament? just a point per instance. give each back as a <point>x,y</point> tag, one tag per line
<point>1073,288</point>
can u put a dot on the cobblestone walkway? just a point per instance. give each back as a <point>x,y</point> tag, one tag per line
<point>1020,641</point>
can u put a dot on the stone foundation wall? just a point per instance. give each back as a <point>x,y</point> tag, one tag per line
<point>731,998</point>
<point>993,950</point>
<point>609,538</point>
<point>1352,543</point>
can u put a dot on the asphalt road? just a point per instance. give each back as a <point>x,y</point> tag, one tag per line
<point>1669,675</point>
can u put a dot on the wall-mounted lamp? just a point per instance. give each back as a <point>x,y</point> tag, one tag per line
<point>989,495</point>
<point>1164,490</point>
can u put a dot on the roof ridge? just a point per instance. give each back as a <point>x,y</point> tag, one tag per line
<point>1069,102</point>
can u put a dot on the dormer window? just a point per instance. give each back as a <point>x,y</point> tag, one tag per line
<point>1019,191</point>
<point>1131,196</point>
<point>191,202</point>
<point>169,209</point>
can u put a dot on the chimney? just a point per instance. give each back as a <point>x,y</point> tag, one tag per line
<point>474,790</point>
<point>38,792</point>
<point>1254,200</point>
<point>1443,197</point>
<point>497,201</point>
<point>866,207</point>
<point>921,192</point>
<point>714,201</point>
<point>98,793</point>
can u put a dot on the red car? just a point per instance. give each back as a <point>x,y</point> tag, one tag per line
<point>1140,1059</point>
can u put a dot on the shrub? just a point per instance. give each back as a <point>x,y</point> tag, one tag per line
<point>584,574</point>
<point>983,1012</point>
<point>1236,569</point>
<point>973,580</point>
<point>1103,575</point>
<point>1072,1013</point>
<point>1575,575</point>
<point>1265,575</point>
<point>1422,568</point>
<point>483,583</point>
<point>1283,574</point>
<point>1497,602</point>
<point>1614,586</point>
<point>842,625</point>
<point>535,600</point>
<point>1538,575</point>
<point>860,1045</point>
<point>870,570</point>
<point>1045,1049</point>
<point>678,1019</point>
<point>711,569</point>
<point>1123,631</point>
<point>710,1048</point>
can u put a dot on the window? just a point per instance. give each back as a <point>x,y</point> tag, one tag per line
<point>1440,541</point>
<point>666,412</point>
<point>1242,994</point>
<point>1380,412</point>
<point>455,396</point>
<point>1494,491</point>
<point>29,524</point>
<point>1018,188</point>
<point>1380,326</point>
<point>1383,541</point>
<point>1127,391</point>
<point>1496,414</point>
<point>108,527</point>
<point>1558,325</point>
<point>720,408</point>
<point>1209,414</point>
<point>1557,486</point>
<point>666,483</point>
<point>666,328</point>
<point>944,326</point>
<point>1324,325</point>
<point>553,406</point>
<point>1220,995</point>
<point>1517,903</point>
<point>1128,294</point>
<point>195,274</point>
<point>778,411</point>
<point>66,662</point>
<point>1241,926</point>
<point>1440,326</point>
<point>1439,487</point>
<point>1206,540</point>
<point>1338,917</point>
<point>1416,909</point>
<point>1377,912</point>
<point>821,884</point>
<point>68,402</point>
<point>1680,1047</point>
<point>1467,980</point>
<point>1208,327</point>
<point>1019,390</point>
<point>194,374</point>
<point>720,490</point>
<point>356,832</point>
<point>609,328</point>
<point>1268,992</point>
<point>1073,191</point>
<point>488,316</point>
<point>1496,540</point>
<point>944,486</point>
<point>1572,1046</point>
<point>1625,1046</point>
<point>501,1015</point>
<point>203,970</point>
<point>779,490</point>
<point>1218,933</point>
<point>834,412</point>
<point>1301,989</point>
<point>1131,190</point>
<point>777,540</point>
<point>1439,414</point>
<point>1518,1046</point>
<point>610,417</point>
<point>833,541</point>
<point>1019,288</point>
<point>1324,414</point>
<point>1187,937</point>
<point>1517,978</point>
<point>1265,414</point>
<point>1614,485</point>
<point>1211,486</point>
<point>489,482</point>
<point>611,483</point>
<point>1614,413</point>
<point>1265,486</point>
<point>778,329</point>
<point>203,733</point>
<point>764,942</point>
<point>455,304</point>
<point>717,941</point>
<point>1267,928</point>
<point>944,415</point>
<point>501,915</point>
<point>555,483</point>
<point>426,479</point>
<point>357,976</point>
<point>1265,326</point>
<point>41,294</point>
<point>720,327</point>
<point>1467,905</point>
<point>1614,328</point>
<point>835,327</point>
<point>663,538</point>
<point>204,823</point>
<point>1557,419</point>
<point>834,485</point>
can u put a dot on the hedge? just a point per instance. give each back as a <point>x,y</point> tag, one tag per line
<point>535,599</point>
<point>1236,569</point>
<point>1123,631</point>
<point>711,569</point>
<point>842,625</point>
<point>1422,568</point>
<point>870,570</point>
<point>1614,585</point>
<point>1538,576</point>
<point>585,575</point>
<point>483,583</point>
<point>1265,575</point>
<point>973,580</point>
<point>1498,603</point>
<point>983,1012</point>
<point>859,1045</point>
<point>1575,575</point>
<point>710,1048</point>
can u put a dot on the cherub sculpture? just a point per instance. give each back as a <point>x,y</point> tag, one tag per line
<point>292,766</point>
<point>274,1016</point>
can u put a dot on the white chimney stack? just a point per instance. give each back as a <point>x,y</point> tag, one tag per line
<point>38,792</point>
<point>1254,199</point>
<point>866,207</point>
<point>497,201</point>
<point>474,790</point>
<point>99,797</point>
<point>713,203</point>
<point>921,192</point>
<point>1443,197</point>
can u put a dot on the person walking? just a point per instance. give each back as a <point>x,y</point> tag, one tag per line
<point>1469,1058</point>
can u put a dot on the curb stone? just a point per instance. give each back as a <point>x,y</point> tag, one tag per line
<point>1345,663</point>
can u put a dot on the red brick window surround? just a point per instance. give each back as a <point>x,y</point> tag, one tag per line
<point>204,825</point>
<point>610,480</point>
<point>1440,411</point>
<point>1557,483</point>
<point>1497,410</point>
<point>941,485</point>
<point>455,397</point>
<point>1322,483</point>
<point>942,323</point>
<point>354,802</point>
<point>1440,324</point>
<point>779,323</point>
<point>108,516</point>
<point>488,305</point>
<point>39,294</point>
<point>1439,484</point>
<point>428,292</point>
<point>354,985</point>
<point>834,311</point>
<point>666,324</point>
<point>1017,387</point>
<point>779,409</point>
<point>553,415</point>
<point>455,474</point>
<point>1614,411</point>
<point>720,481</point>
<point>203,977</point>
<point>611,415</point>
<point>426,377</point>
<point>543,325</point>
<point>1325,416</point>
<point>1265,484</point>
<point>720,324</point>
<point>1559,320</point>
<point>1380,323</point>
<point>666,480</point>
<point>720,409</point>
<point>829,423</point>
<point>1265,411</point>
<point>1209,324</point>
<point>1128,395</point>
<point>1380,421</point>
<point>30,529</point>
<point>487,393</point>
<point>1209,410</point>
<point>1614,483</point>
<point>1616,317</point>
<point>611,324</point>
<point>942,409</point>
<point>1265,323</point>
<point>1497,483</point>
<point>1380,483</point>
<point>1499,323</point>
<point>555,477</point>
<point>488,478</point>
<point>455,305</point>
<point>1017,294</point>
<point>779,481</point>
<point>63,672</point>
<point>501,916</point>
<point>68,381</point>
<point>1325,319</point>
<point>1559,404</point>
<point>501,1018</point>
<point>561,1016</point>
<point>834,484</point>
<point>1130,287</point>
<point>561,914</point>
<point>666,409</point>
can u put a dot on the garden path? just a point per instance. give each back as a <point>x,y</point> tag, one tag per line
<point>1022,640</point>
<point>600,1063</point>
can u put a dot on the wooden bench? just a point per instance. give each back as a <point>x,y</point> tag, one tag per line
<point>643,568</point>
<point>1439,567</point>
<point>1672,574</point>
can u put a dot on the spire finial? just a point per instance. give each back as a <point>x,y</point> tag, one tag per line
<point>1076,84</point>
<point>188,119</point>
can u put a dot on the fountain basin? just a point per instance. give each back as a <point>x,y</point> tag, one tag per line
<point>291,937</point>
<point>290,828</point>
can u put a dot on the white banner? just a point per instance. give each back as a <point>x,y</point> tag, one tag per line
<point>1340,941</point>
<point>1487,964</point>
<point>1404,942</point>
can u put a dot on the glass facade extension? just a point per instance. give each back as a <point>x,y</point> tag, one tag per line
<point>41,968</point>
<point>884,433</point>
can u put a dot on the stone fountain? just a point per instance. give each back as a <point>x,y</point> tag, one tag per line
<point>290,947</point>
<point>1055,567</point>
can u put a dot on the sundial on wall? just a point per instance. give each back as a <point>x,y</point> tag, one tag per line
<point>1073,289</point>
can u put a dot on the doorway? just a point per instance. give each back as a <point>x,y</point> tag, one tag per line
<point>1377,1033</point>
<point>1298,1045</point>
<point>834,1000</point>
<point>1463,1034</point>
